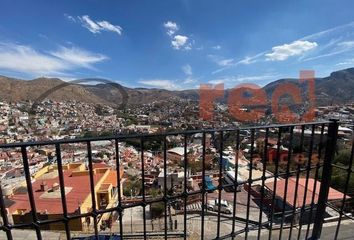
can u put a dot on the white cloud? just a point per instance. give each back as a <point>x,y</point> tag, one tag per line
<point>217,47</point>
<point>95,26</point>
<point>346,44</point>
<point>346,62</point>
<point>110,27</point>
<point>180,42</point>
<point>283,52</point>
<point>92,26</point>
<point>20,58</point>
<point>339,48</point>
<point>278,53</point>
<point>225,62</point>
<point>71,18</point>
<point>328,54</point>
<point>79,57</point>
<point>187,69</point>
<point>254,78</point>
<point>332,41</point>
<point>219,70</point>
<point>250,59</point>
<point>177,84</point>
<point>231,80</point>
<point>171,27</point>
<point>343,33</point>
<point>216,81</point>
<point>338,29</point>
<point>159,83</point>
<point>24,59</point>
<point>189,80</point>
<point>188,46</point>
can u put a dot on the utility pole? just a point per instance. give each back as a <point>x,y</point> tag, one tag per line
<point>170,216</point>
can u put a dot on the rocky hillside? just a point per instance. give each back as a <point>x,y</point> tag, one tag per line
<point>336,88</point>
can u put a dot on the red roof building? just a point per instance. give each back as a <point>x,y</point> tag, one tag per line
<point>301,190</point>
<point>47,195</point>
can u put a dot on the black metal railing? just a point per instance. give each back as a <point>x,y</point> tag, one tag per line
<point>276,215</point>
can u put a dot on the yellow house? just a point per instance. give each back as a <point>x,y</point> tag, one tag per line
<point>46,191</point>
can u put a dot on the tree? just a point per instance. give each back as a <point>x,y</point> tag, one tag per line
<point>88,134</point>
<point>132,185</point>
<point>157,209</point>
<point>154,192</point>
<point>339,176</point>
<point>343,157</point>
<point>195,166</point>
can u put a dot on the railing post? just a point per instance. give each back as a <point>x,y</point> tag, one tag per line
<point>331,144</point>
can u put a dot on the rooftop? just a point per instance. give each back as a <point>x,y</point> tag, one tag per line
<point>77,188</point>
<point>301,190</point>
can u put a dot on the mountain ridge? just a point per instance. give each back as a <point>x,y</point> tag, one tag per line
<point>338,87</point>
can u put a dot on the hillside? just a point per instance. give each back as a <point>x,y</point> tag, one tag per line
<point>13,90</point>
<point>336,88</point>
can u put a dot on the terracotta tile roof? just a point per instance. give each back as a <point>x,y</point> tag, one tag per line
<point>332,195</point>
<point>80,189</point>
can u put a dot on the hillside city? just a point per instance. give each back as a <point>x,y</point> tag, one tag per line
<point>71,120</point>
<point>180,119</point>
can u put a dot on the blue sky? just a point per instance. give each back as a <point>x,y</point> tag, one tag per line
<point>175,44</point>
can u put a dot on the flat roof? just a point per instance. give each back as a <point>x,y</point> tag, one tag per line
<point>231,174</point>
<point>332,195</point>
<point>80,189</point>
